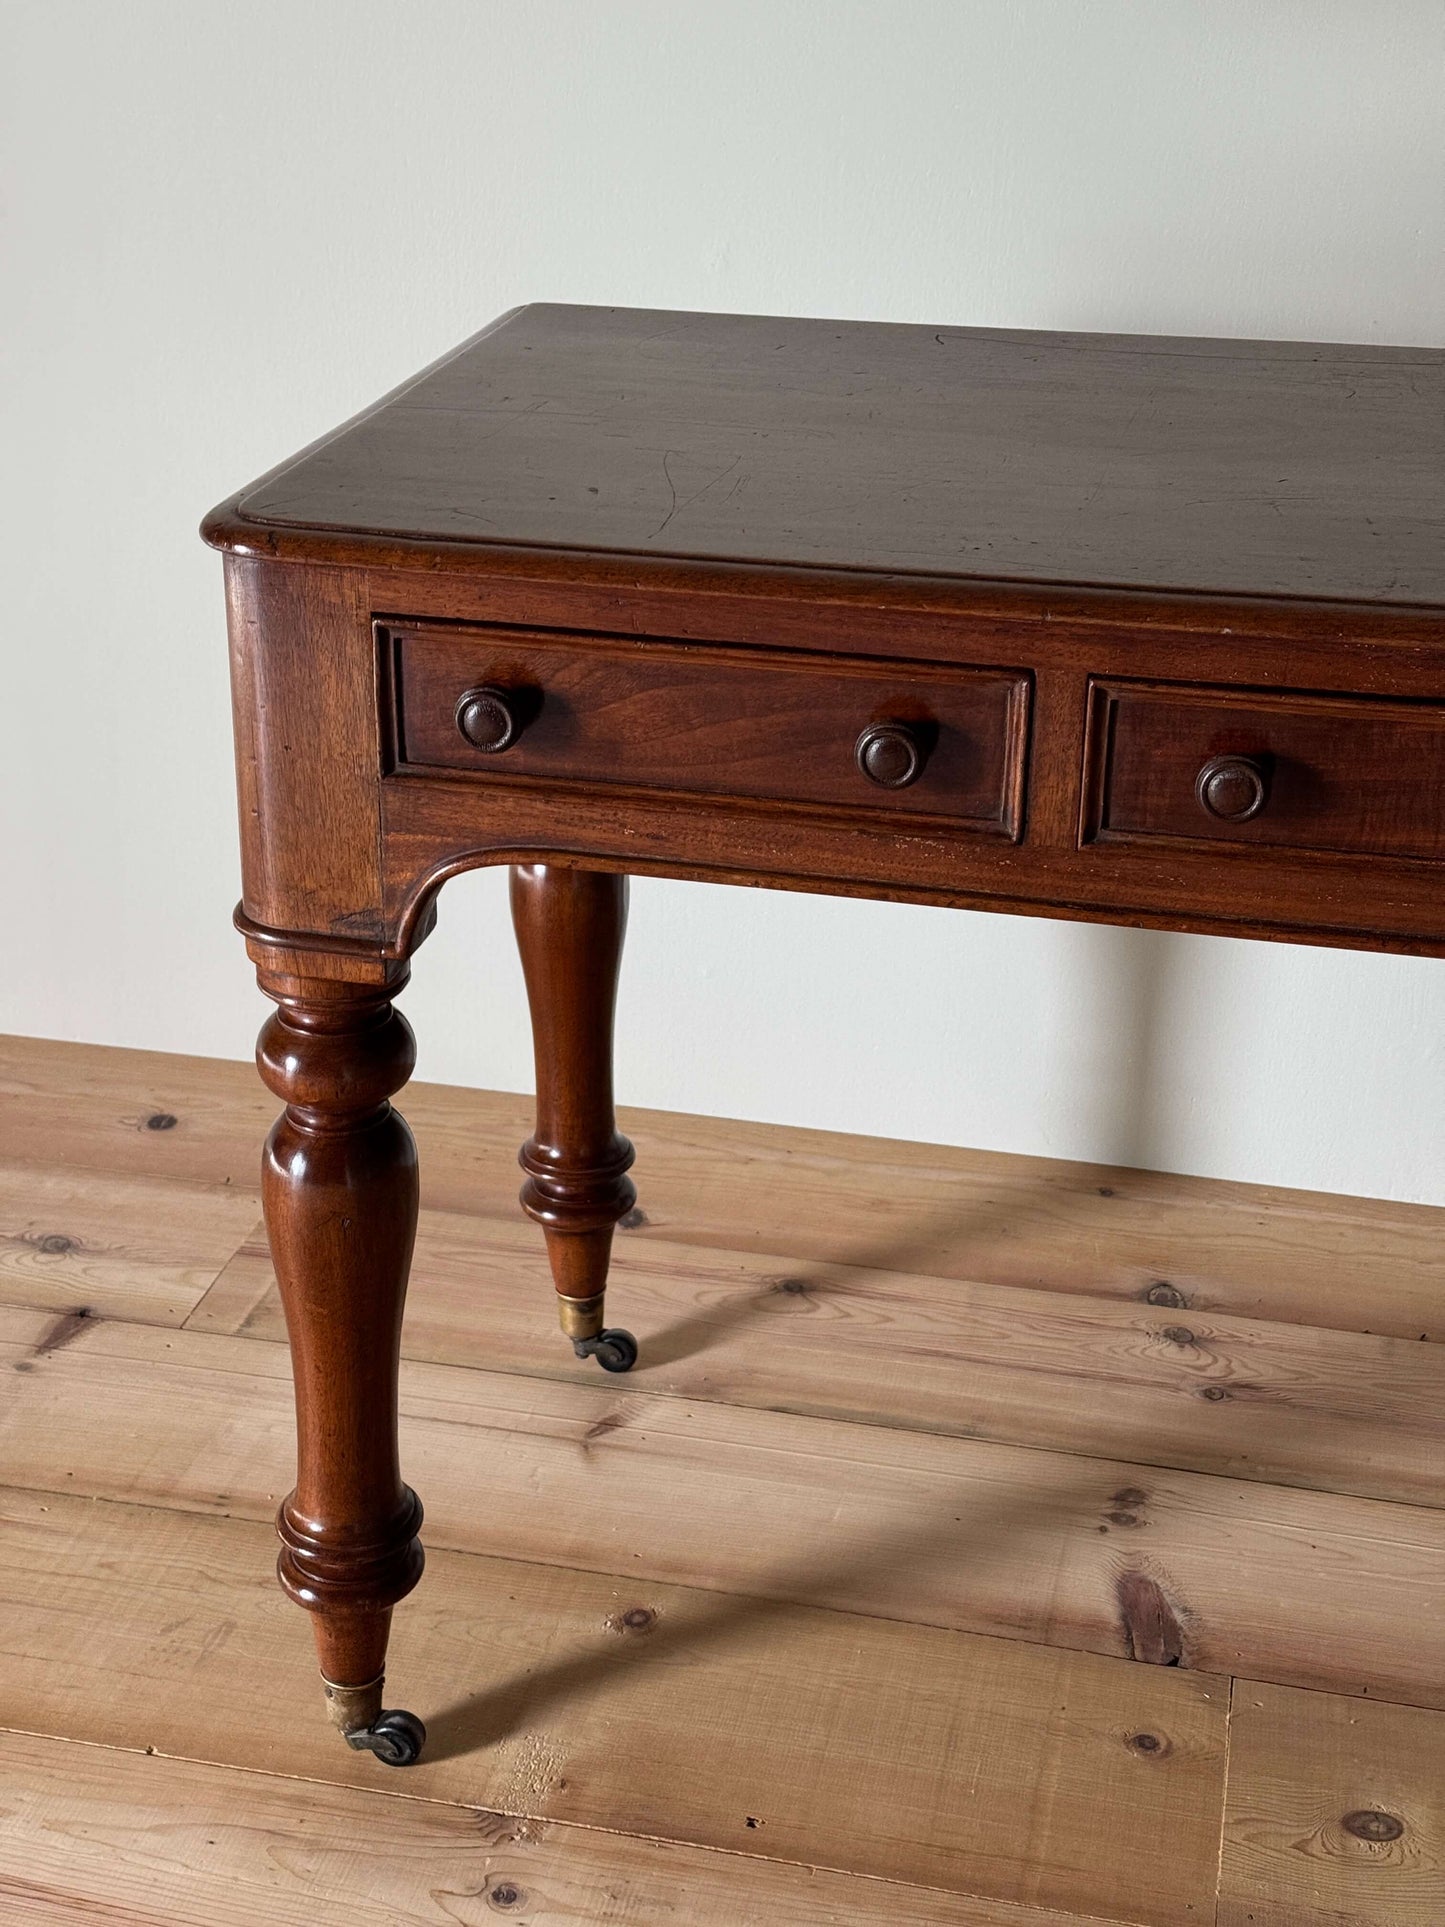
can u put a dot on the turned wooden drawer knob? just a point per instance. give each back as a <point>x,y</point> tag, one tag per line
<point>1231,788</point>
<point>490,718</point>
<point>890,754</point>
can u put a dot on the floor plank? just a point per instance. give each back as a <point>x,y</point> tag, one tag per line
<point>931,1758</point>
<point>121,1247</point>
<point>1086,1554</point>
<point>1247,1250</point>
<point>1339,1411</point>
<point>1336,1813</point>
<point>133,1113</point>
<point>91,1833</point>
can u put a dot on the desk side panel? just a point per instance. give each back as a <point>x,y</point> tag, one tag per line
<point>308,756</point>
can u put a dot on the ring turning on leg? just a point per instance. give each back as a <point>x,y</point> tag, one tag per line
<point>339,1186</point>
<point>570,926</point>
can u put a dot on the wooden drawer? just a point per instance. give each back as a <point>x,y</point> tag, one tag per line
<point>740,723</point>
<point>1252,767</point>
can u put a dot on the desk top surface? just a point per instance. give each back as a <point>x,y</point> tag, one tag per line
<point>1282,469</point>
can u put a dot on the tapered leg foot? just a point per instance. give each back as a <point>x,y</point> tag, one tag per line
<point>394,1736</point>
<point>570,925</point>
<point>339,1187</point>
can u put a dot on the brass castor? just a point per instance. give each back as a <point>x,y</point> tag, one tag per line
<point>615,1350</point>
<point>396,1737</point>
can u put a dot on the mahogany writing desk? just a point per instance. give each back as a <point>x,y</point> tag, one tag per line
<point>1137,630</point>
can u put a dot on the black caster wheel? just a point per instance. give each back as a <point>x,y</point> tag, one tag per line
<point>615,1350</point>
<point>396,1738</point>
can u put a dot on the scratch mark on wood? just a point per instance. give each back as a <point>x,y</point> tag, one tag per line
<point>697,495</point>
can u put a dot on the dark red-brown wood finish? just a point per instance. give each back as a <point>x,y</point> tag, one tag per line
<point>339,1186</point>
<point>570,925</point>
<point>1134,630</point>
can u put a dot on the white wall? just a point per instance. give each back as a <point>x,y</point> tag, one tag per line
<point>225,228</point>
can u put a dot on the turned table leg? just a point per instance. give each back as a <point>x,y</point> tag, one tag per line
<point>339,1185</point>
<point>570,925</point>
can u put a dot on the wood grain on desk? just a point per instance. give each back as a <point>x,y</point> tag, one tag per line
<point>1139,461</point>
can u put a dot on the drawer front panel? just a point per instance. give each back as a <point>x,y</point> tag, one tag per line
<point>1345,774</point>
<point>765,724</point>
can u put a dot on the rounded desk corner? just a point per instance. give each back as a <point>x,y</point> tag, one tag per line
<point>226,528</point>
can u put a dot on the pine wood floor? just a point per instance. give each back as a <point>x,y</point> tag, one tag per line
<point>982,1541</point>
